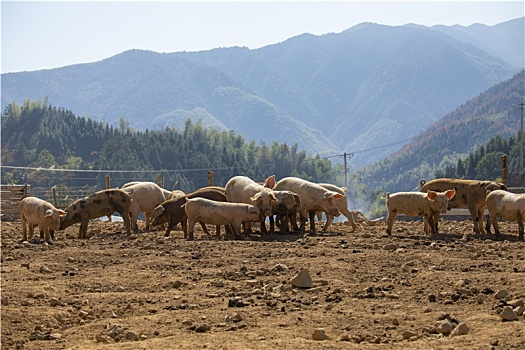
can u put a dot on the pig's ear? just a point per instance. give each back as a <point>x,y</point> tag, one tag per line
<point>431,195</point>
<point>49,213</point>
<point>270,182</point>
<point>339,196</point>
<point>61,213</point>
<point>450,193</point>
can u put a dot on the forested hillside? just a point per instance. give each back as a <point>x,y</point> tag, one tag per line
<point>494,114</point>
<point>38,135</point>
<point>368,86</point>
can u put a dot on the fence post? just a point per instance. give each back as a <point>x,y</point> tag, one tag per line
<point>210,178</point>
<point>504,169</point>
<point>55,196</point>
<point>160,181</point>
<point>107,182</point>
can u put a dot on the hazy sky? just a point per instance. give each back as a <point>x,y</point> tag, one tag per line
<point>49,34</point>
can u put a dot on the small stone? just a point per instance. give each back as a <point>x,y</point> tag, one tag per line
<point>464,291</point>
<point>429,329</point>
<point>130,335</point>
<point>26,265</point>
<point>252,283</point>
<point>390,246</point>
<point>302,279</point>
<point>202,328</point>
<point>519,310</point>
<point>320,334</point>
<point>480,299</point>
<point>508,314</point>
<point>279,268</point>
<point>444,327</point>
<point>461,329</point>
<point>5,301</point>
<point>70,259</point>
<point>120,289</point>
<point>236,318</point>
<point>236,302</point>
<point>218,283</point>
<point>45,269</point>
<point>516,303</point>
<point>344,337</point>
<point>176,284</point>
<point>501,294</point>
<point>188,323</point>
<point>115,331</point>
<point>408,334</point>
<point>101,339</point>
<point>55,302</point>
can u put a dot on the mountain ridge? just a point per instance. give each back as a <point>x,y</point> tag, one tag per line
<point>339,92</point>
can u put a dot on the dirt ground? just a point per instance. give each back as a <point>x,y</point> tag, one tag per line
<point>369,291</point>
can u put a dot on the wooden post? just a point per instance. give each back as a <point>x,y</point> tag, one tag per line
<point>210,178</point>
<point>107,187</point>
<point>55,196</point>
<point>504,169</point>
<point>25,191</point>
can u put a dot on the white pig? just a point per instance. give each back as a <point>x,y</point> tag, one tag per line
<point>35,211</point>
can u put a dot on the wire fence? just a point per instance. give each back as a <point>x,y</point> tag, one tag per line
<point>61,187</point>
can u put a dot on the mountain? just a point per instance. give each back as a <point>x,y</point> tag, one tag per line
<point>365,88</point>
<point>499,40</point>
<point>495,112</point>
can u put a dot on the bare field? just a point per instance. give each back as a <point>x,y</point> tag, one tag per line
<point>369,291</point>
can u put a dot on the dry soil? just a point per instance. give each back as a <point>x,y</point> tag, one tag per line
<point>369,290</point>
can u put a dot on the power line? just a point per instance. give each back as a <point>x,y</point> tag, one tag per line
<point>110,171</point>
<point>351,154</point>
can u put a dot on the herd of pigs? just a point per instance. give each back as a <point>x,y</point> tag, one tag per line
<point>243,201</point>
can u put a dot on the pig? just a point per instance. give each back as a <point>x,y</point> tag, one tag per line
<point>341,204</point>
<point>35,211</point>
<point>417,204</point>
<point>287,204</point>
<point>241,189</point>
<point>507,205</point>
<point>218,188</point>
<point>313,197</point>
<point>101,203</point>
<point>145,197</point>
<point>470,194</point>
<point>219,213</point>
<point>176,194</point>
<point>171,211</point>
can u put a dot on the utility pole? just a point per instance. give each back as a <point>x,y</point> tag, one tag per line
<point>346,171</point>
<point>346,167</point>
<point>521,138</point>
